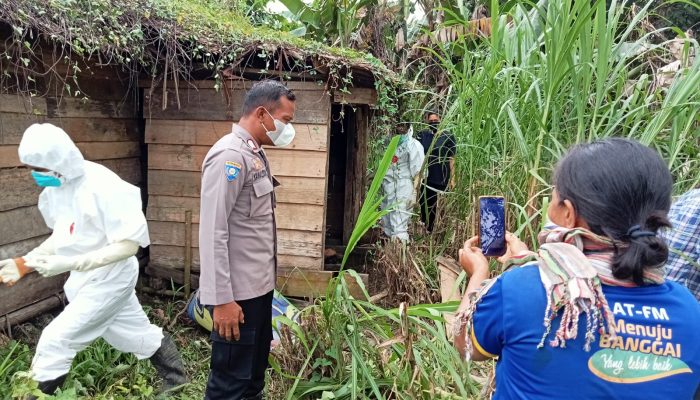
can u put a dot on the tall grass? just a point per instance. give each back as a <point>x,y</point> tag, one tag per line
<point>562,72</point>
<point>348,348</point>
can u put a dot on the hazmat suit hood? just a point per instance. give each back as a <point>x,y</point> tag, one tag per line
<point>48,146</point>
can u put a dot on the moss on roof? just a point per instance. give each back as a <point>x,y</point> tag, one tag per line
<point>151,31</point>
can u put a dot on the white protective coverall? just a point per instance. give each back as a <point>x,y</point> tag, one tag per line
<point>93,208</point>
<point>398,186</point>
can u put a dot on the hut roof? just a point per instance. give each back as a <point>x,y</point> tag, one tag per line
<point>183,38</point>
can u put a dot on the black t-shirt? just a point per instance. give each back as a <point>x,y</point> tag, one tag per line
<point>444,148</point>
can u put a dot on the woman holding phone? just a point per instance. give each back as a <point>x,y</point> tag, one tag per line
<point>588,316</point>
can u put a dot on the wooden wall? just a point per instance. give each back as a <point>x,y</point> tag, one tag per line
<point>105,128</point>
<point>179,139</point>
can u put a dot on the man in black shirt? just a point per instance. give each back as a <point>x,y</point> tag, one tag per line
<point>440,149</point>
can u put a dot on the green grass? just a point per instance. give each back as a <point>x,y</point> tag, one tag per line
<point>351,348</point>
<point>101,372</point>
<point>517,102</point>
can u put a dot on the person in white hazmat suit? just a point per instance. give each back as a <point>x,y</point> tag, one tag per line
<point>98,226</point>
<point>399,186</point>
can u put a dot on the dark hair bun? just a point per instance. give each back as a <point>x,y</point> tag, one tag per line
<point>649,251</point>
<point>622,189</point>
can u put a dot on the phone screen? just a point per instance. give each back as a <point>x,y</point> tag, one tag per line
<point>492,225</point>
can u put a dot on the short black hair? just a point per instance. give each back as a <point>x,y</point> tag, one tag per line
<point>266,93</point>
<point>431,112</point>
<point>617,184</point>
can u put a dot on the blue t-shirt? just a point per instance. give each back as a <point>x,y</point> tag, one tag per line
<point>656,354</point>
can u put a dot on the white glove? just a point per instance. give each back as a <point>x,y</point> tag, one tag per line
<point>107,255</point>
<point>53,264</point>
<point>9,273</point>
<point>46,248</point>
<point>50,265</point>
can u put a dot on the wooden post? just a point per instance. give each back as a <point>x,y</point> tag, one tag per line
<point>356,168</point>
<point>188,252</point>
<point>31,311</point>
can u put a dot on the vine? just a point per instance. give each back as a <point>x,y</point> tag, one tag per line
<point>168,40</point>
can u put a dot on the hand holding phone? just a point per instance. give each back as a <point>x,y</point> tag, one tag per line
<point>514,248</point>
<point>471,258</point>
<point>492,225</point>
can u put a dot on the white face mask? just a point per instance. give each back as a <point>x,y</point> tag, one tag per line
<point>283,134</point>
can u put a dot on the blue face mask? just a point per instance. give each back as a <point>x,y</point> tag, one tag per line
<point>46,179</point>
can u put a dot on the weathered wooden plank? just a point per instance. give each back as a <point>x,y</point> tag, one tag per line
<point>310,137</point>
<point>105,88</point>
<point>95,84</point>
<point>227,105</point>
<point>200,133</point>
<point>27,290</point>
<point>304,283</point>
<point>175,157</point>
<point>301,163</point>
<point>9,157</point>
<point>68,107</point>
<point>99,129</point>
<point>20,104</point>
<point>12,126</point>
<point>109,150</point>
<point>95,108</point>
<point>20,224</point>
<point>303,262</point>
<point>22,191</point>
<point>291,282</point>
<point>33,310</point>
<point>188,184</point>
<point>303,217</point>
<point>366,96</point>
<point>237,85</point>
<point>289,242</point>
<point>91,151</point>
<point>128,169</point>
<point>174,257</point>
<point>206,133</point>
<point>21,248</point>
<point>194,104</point>
<point>174,183</point>
<point>19,189</point>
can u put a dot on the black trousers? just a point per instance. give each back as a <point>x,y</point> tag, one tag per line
<point>428,204</point>
<point>238,367</point>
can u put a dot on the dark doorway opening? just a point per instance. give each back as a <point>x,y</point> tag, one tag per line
<point>342,122</point>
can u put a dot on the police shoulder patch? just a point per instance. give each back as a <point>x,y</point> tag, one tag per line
<point>232,169</point>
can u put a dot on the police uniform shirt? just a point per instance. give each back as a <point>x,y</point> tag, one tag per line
<point>237,232</point>
<point>443,149</point>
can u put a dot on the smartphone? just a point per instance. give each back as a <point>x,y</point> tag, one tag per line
<point>492,225</point>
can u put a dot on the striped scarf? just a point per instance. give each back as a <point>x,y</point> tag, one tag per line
<point>573,263</point>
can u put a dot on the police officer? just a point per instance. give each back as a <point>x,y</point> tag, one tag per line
<point>440,148</point>
<point>238,242</point>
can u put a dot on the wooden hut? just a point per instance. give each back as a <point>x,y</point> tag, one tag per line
<point>154,130</point>
<point>321,175</point>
